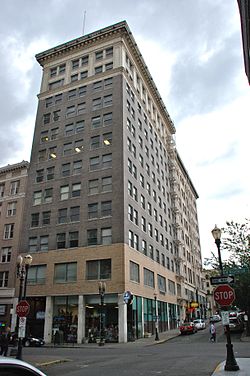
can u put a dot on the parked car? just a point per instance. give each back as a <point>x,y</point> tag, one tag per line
<point>200,324</point>
<point>10,366</point>
<point>28,341</point>
<point>215,318</point>
<point>188,327</point>
<point>236,324</point>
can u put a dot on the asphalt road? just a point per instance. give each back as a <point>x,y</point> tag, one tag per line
<point>185,355</point>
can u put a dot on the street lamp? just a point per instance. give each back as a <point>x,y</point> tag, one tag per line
<point>23,264</point>
<point>102,289</point>
<point>231,364</point>
<point>156,319</point>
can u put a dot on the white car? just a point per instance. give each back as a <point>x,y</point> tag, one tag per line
<point>10,366</point>
<point>200,324</point>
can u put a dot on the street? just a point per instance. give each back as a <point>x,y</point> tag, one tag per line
<point>183,355</point>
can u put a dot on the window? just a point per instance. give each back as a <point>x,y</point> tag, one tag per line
<point>95,142</point>
<point>2,186</point>
<point>107,119</point>
<point>33,247</point>
<point>70,111</point>
<point>62,215</point>
<point>11,209</point>
<point>74,214</point>
<point>107,100</point>
<point>98,69</point>
<point>82,90</point>
<point>109,52</point>
<point>106,208</point>
<point>107,160</point>
<point>4,276</point>
<point>65,272</point>
<point>73,239</point>
<point>64,192</point>
<point>52,153</point>
<point>92,237</point>
<point>93,186</point>
<point>108,82</point>
<point>96,122</point>
<point>58,98</point>
<point>161,281</point>
<point>108,66</point>
<point>98,269</point>
<point>144,247</point>
<point>171,287</point>
<point>99,55</point>
<point>97,103</point>
<point>107,139</point>
<point>85,60</point>
<point>81,108</point>
<point>14,187</point>
<point>56,115</point>
<point>134,271</point>
<point>76,190</point>
<point>46,218</point>
<point>66,169</point>
<point>148,278</point>
<point>9,231</point>
<point>34,220</point>
<point>49,102</point>
<point>77,167</point>
<point>61,240</point>
<point>78,147</point>
<point>97,85</point>
<point>67,148</point>
<point>93,210</point>
<point>48,193</point>
<point>83,74</point>
<point>94,163</point>
<point>56,84</point>
<point>36,275</point>
<point>106,236</point>
<point>107,184</point>
<point>44,243</point>
<point>6,254</point>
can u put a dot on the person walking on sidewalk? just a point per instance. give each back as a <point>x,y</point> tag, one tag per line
<point>4,341</point>
<point>212,331</point>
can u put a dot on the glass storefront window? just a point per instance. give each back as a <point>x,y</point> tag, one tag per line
<point>65,319</point>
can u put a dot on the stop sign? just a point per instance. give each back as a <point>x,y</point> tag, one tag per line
<point>22,308</point>
<point>224,295</point>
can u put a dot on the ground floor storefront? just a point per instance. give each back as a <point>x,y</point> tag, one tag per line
<point>77,319</point>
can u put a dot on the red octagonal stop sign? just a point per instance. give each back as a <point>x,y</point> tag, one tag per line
<point>224,295</point>
<point>22,308</point>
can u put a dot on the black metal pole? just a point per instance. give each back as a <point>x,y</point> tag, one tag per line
<point>101,343</point>
<point>19,345</point>
<point>231,364</point>
<point>156,321</point>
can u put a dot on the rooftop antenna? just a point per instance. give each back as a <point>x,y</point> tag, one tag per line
<point>84,20</point>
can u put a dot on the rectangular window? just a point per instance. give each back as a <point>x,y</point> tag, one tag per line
<point>61,240</point>
<point>82,90</point>
<point>106,208</point>
<point>44,243</point>
<point>73,239</point>
<point>85,60</point>
<point>96,122</point>
<point>65,169</point>
<point>72,94</point>
<point>92,237</point>
<point>171,287</point>
<point>75,63</point>
<point>83,74</point>
<point>97,85</point>
<point>76,190</point>
<point>34,220</point>
<point>107,161</point>
<point>70,111</point>
<point>93,210</point>
<point>33,244</point>
<point>11,209</point>
<point>62,215</point>
<point>106,236</point>
<point>95,142</point>
<point>148,278</point>
<point>94,163</point>
<point>64,192</point>
<point>65,272</point>
<point>97,103</point>
<point>69,129</point>
<point>93,186</point>
<point>98,69</point>
<point>56,84</point>
<point>67,148</point>
<point>77,167</point>
<point>4,277</point>
<point>107,139</point>
<point>79,127</point>
<point>98,269</point>
<point>99,55</point>
<point>2,186</point>
<point>14,187</point>
<point>48,194</point>
<point>161,284</point>
<point>134,271</point>
<point>9,231</point>
<point>36,275</point>
<point>107,119</point>
<point>107,184</point>
<point>81,108</point>
<point>107,100</point>
<point>108,82</point>
<point>6,254</point>
<point>46,218</point>
<point>56,115</point>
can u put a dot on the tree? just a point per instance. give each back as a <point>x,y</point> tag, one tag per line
<point>235,242</point>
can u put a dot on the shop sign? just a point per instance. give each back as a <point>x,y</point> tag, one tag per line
<point>40,315</point>
<point>194,305</point>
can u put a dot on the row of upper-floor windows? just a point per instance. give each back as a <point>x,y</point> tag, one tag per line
<point>72,214</point>
<point>81,61</point>
<point>14,188</point>
<point>79,92</point>
<point>78,109</point>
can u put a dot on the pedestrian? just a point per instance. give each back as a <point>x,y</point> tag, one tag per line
<point>212,330</point>
<point>4,341</point>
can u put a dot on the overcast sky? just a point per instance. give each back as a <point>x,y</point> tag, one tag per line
<point>193,49</point>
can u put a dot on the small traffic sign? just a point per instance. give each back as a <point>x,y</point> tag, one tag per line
<point>224,295</point>
<point>222,280</point>
<point>22,327</point>
<point>22,308</point>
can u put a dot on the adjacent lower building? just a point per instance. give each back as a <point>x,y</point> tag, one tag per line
<point>13,179</point>
<point>108,198</point>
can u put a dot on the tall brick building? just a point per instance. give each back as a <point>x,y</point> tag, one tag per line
<point>108,197</point>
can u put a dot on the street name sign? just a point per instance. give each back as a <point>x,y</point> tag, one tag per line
<point>222,280</point>
<point>22,308</point>
<point>225,317</point>
<point>224,295</point>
